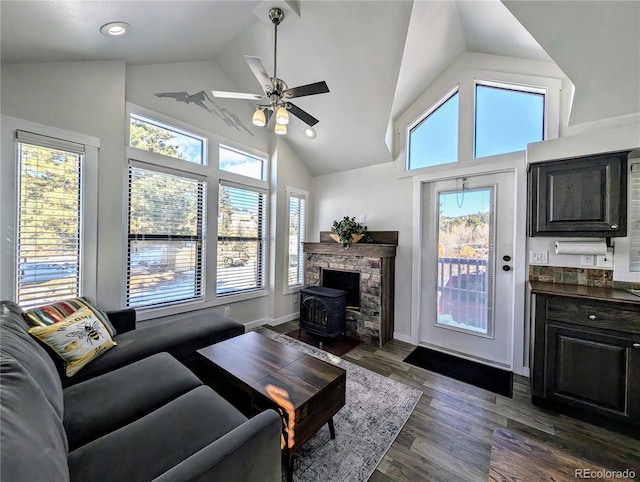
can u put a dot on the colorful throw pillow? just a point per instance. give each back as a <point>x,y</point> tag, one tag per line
<point>78,339</point>
<point>47,315</point>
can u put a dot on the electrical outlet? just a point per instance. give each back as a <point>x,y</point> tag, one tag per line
<point>362,218</point>
<point>295,298</point>
<point>587,260</point>
<point>604,261</point>
<point>227,311</point>
<point>538,257</point>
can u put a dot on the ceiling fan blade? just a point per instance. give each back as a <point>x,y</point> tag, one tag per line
<point>309,89</point>
<point>257,67</point>
<point>236,95</point>
<point>302,115</point>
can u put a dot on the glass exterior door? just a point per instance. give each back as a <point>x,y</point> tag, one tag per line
<point>467,283</point>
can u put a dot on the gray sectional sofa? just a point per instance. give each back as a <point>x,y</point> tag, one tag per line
<point>136,414</point>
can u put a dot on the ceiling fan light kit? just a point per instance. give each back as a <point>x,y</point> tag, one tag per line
<point>282,116</point>
<point>276,91</point>
<point>280,129</point>
<point>259,119</point>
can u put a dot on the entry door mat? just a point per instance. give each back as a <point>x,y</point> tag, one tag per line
<point>489,378</point>
<point>338,346</point>
<point>375,411</point>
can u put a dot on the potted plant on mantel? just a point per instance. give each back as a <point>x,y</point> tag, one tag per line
<point>347,231</point>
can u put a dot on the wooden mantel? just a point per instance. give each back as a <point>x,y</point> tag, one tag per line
<point>383,246</point>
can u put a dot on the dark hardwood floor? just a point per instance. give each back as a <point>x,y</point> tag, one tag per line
<point>448,436</point>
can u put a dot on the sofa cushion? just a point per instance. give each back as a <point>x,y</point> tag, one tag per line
<point>46,315</point>
<point>78,339</point>
<point>33,441</point>
<point>98,406</point>
<point>17,344</point>
<point>148,447</point>
<point>180,336</point>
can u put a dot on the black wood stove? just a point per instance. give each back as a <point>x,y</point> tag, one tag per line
<point>323,310</point>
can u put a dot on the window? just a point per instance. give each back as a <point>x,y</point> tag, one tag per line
<point>434,140</point>
<point>241,163</point>
<point>507,119</point>
<point>49,219</point>
<point>634,217</point>
<point>165,240</point>
<point>296,215</point>
<point>153,136</point>
<point>241,239</point>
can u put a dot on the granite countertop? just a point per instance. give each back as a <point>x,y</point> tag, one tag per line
<point>587,292</point>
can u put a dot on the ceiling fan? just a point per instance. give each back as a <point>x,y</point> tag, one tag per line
<point>276,93</point>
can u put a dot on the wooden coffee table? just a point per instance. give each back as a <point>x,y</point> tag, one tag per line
<point>306,391</point>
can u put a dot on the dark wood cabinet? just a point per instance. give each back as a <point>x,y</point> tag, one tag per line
<point>586,358</point>
<point>579,197</point>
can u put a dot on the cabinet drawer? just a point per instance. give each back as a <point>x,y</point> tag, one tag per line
<point>595,314</point>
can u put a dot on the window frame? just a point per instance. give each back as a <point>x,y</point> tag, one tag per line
<point>465,80</point>
<point>423,118</point>
<point>289,193</point>
<point>88,202</point>
<point>213,175</point>
<point>262,265</point>
<point>172,126</point>
<point>199,238</point>
<point>245,152</point>
<point>508,87</point>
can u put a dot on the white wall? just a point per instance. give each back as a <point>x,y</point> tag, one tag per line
<point>86,98</point>
<point>386,202</point>
<point>89,98</point>
<point>144,81</point>
<point>287,171</point>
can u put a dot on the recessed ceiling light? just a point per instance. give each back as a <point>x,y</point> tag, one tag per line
<point>115,29</point>
<point>310,132</point>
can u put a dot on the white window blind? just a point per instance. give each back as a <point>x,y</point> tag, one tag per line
<point>241,239</point>
<point>165,241</point>
<point>634,217</point>
<point>49,219</point>
<point>296,216</point>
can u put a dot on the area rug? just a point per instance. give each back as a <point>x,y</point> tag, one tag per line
<point>489,378</point>
<point>376,409</point>
<point>338,346</point>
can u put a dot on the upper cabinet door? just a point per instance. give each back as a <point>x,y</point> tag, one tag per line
<point>579,197</point>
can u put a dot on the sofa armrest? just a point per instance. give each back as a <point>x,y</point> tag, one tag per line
<point>249,453</point>
<point>123,320</point>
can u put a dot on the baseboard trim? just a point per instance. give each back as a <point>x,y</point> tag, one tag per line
<point>284,319</point>
<point>402,337</point>
<point>252,325</point>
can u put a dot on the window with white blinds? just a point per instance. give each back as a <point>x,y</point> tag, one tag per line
<point>49,219</point>
<point>165,239</point>
<point>634,217</point>
<point>241,239</point>
<point>296,215</point>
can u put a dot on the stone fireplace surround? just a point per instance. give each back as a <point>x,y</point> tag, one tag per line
<point>373,321</point>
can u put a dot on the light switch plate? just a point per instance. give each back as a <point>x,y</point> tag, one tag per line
<point>538,257</point>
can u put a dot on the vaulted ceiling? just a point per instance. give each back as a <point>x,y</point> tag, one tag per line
<point>376,56</point>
